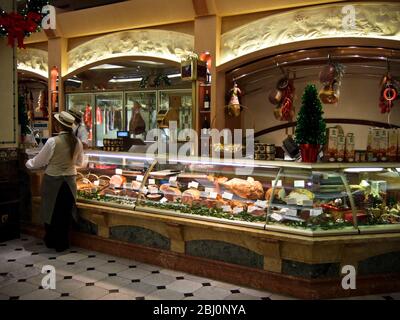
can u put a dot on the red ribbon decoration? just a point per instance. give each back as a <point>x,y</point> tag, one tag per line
<point>17,25</point>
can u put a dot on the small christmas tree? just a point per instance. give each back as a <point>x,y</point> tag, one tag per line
<point>311,127</point>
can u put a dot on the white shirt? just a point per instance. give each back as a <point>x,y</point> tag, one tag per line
<point>81,133</point>
<point>42,159</point>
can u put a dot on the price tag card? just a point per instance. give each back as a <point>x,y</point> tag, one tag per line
<point>315,212</point>
<point>276,217</point>
<point>291,212</point>
<point>226,209</point>
<point>209,190</point>
<point>139,178</point>
<point>144,190</point>
<point>172,181</point>
<point>96,183</point>
<point>261,204</point>
<point>163,200</point>
<point>252,208</point>
<point>152,181</point>
<point>278,183</point>
<point>227,195</point>
<point>118,171</point>
<point>237,210</point>
<point>291,201</point>
<point>213,195</point>
<point>153,190</point>
<point>299,183</point>
<point>193,184</point>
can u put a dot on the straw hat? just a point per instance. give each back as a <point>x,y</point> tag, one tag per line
<point>76,114</point>
<point>65,119</point>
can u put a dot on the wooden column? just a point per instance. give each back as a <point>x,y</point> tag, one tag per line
<point>58,48</point>
<point>9,132</point>
<point>207,29</point>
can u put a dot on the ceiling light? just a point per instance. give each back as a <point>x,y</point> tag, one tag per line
<point>107,66</point>
<point>363,169</point>
<point>176,75</point>
<point>149,62</point>
<point>125,80</point>
<point>74,80</point>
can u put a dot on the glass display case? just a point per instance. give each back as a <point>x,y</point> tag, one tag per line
<point>83,102</point>
<point>148,102</point>
<point>184,101</point>
<point>108,116</point>
<point>307,199</point>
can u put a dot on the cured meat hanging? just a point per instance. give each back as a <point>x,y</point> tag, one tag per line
<point>282,96</point>
<point>137,124</point>
<point>389,93</point>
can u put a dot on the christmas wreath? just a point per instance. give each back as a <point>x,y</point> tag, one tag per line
<point>21,24</point>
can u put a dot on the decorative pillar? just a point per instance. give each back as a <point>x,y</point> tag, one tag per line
<point>9,133</point>
<point>57,50</point>
<point>207,30</point>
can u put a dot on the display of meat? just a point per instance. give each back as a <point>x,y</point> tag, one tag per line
<point>170,193</point>
<point>190,195</point>
<point>248,189</point>
<point>279,194</point>
<point>117,181</point>
<point>87,117</point>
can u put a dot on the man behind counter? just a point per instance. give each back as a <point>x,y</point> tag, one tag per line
<point>79,129</point>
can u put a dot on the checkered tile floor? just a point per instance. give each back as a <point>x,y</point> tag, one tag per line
<point>87,275</point>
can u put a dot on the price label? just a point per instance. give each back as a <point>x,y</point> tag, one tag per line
<point>209,190</point>
<point>237,210</point>
<point>164,200</point>
<point>193,184</point>
<point>278,183</point>
<point>153,190</point>
<point>291,201</point>
<point>227,195</point>
<point>118,171</point>
<point>172,181</point>
<point>213,195</point>
<point>276,217</point>
<point>299,183</point>
<point>291,212</point>
<point>139,178</point>
<point>261,204</point>
<point>152,181</point>
<point>226,209</point>
<point>315,212</point>
<point>144,190</point>
<point>96,183</point>
<point>252,209</point>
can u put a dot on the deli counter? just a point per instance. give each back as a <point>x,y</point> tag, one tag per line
<point>300,198</point>
<point>279,226</point>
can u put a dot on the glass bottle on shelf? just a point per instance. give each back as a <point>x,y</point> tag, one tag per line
<point>206,101</point>
<point>206,123</point>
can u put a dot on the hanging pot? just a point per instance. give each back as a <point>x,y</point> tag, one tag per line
<point>309,152</point>
<point>328,94</point>
<point>327,74</point>
<point>275,96</point>
<point>282,84</point>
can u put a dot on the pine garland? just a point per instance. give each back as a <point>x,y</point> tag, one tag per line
<point>311,127</point>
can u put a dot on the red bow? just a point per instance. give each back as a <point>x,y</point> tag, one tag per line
<point>16,26</point>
